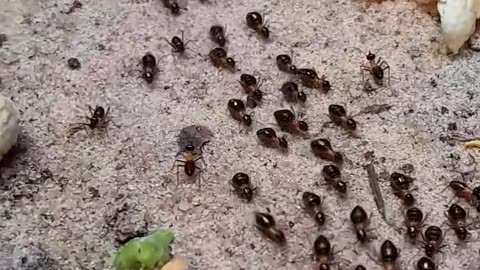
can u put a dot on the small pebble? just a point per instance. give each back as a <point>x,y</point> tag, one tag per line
<point>73,63</point>
<point>183,206</point>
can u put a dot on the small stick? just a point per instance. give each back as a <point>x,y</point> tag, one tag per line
<point>377,194</point>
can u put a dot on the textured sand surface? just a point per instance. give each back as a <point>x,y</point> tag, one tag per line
<point>64,201</point>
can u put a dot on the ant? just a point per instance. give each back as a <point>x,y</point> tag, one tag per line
<point>360,221</point>
<point>242,185</point>
<point>323,252</point>
<point>414,221</point>
<point>285,64</point>
<point>178,44</point>
<point>255,21</point>
<point>462,190</point>
<point>400,184</point>
<point>251,87</point>
<point>313,205</point>
<point>388,256</point>
<point>217,35</point>
<point>219,59</point>
<point>425,263</point>
<point>338,115</point>
<point>432,240</point>
<point>376,69</point>
<point>149,64</point>
<point>265,223</point>
<point>310,79</point>
<point>268,137</point>
<point>457,217</point>
<point>333,177</point>
<point>98,120</point>
<point>173,6</point>
<point>288,122</point>
<point>237,110</point>
<point>322,148</point>
<point>291,94</point>
<point>189,162</point>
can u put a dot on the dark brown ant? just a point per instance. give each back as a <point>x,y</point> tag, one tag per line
<point>360,267</point>
<point>178,44</point>
<point>338,115</point>
<point>288,122</point>
<point>237,110</point>
<point>268,137</point>
<point>313,205</point>
<point>149,64</point>
<point>360,220</point>
<point>265,223</point>
<point>217,34</point>
<point>173,6</point>
<point>333,177</point>
<point>251,87</point>
<point>291,94</point>
<point>432,240</point>
<point>219,59</point>
<point>323,252</point>
<point>310,79</point>
<point>99,119</point>
<point>255,21</point>
<point>413,221</point>
<point>388,255</point>
<point>400,184</point>
<point>242,185</point>
<point>322,148</point>
<point>189,162</point>
<point>457,217</point>
<point>285,64</point>
<point>376,69</point>
<point>425,263</point>
<point>462,190</point>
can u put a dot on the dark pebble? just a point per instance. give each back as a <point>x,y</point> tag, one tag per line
<point>73,63</point>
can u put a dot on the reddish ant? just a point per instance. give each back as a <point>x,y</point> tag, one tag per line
<point>189,162</point>
<point>376,69</point>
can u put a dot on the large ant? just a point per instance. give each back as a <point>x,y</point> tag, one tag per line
<point>243,186</point>
<point>98,119</point>
<point>457,217</point>
<point>268,137</point>
<point>189,162</point>
<point>287,121</point>
<point>255,21</point>
<point>285,63</point>
<point>266,224</point>
<point>462,190</point>
<point>217,34</point>
<point>388,256</point>
<point>313,206</point>
<point>322,148</point>
<point>338,115</point>
<point>237,110</point>
<point>219,59</point>
<point>333,177</point>
<point>310,79</point>
<point>432,240</point>
<point>401,187</point>
<point>376,69</point>
<point>414,221</point>
<point>252,88</point>
<point>292,94</point>
<point>360,221</point>
<point>323,252</point>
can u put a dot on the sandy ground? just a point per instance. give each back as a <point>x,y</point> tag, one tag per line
<point>65,201</point>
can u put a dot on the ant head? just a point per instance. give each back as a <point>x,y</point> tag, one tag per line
<point>189,147</point>
<point>326,85</point>
<point>148,77</point>
<point>412,232</point>
<point>409,199</point>
<point>247,120</point>
<point>341,187</point>
<point>221,40</point>
<point>230,62</point>
<point>302,126</point>
<point>370,56</point>
<point>461,233</point>
<point>429,249</point>
<point>302,97</point>
<point>248,193</point>
<point>351,124</point>
<point>265,32</point>
<point>258,94</point>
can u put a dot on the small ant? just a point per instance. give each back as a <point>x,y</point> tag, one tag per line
<point>178,44</point>
<point>242,185</point>
<point>388,256</point>
<point>333,177</point>
<point>425,263</point>
<point>313,205</point>
<point>322,148</point>
<point>149,64</point>
<point>323,252</point>
<point>98,119</point>
<point>173,6</point>
<point>285,64</point>
<point>268,137</point>
<point>217,35</point>
<point>265,223</point>
<point>457,217</point>
<point>189,162</point>
<point>432,240</point>
<point>413,221</point>
<point>462,190</point>
<point>338,115</point>
<point>288,122</point>
<point>237,110</point>
<point>251,87</point>
<point>400,184</point>
<point>219,59</point>
<point>310,79</point>
<point>291,94</point>
<point>255,21</point>
<point>376,69</point>
<point>360,221</point>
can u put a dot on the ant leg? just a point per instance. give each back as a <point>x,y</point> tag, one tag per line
<point>199,177</point>
<point>178,176</point>
<point>90,109</point>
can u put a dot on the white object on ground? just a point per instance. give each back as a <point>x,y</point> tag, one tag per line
<point>9,128</point>
<point>458,21</point>
<point>176,264</point>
